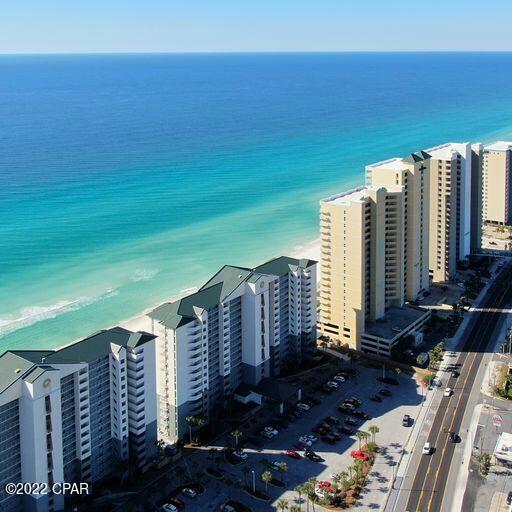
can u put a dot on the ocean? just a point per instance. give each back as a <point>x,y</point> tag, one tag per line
<point>127,179</point>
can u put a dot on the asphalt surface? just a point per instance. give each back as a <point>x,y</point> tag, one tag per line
<point>428,489</point>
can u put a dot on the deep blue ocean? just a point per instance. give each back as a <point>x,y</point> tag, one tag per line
<point>125,179</point>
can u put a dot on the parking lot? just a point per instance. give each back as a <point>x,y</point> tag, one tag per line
<point>387,415</point>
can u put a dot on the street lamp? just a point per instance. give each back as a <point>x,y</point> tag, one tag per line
<point>253,481</point>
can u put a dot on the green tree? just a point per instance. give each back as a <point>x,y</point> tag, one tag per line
<point>283,468</point>
<point>299,490</point>
<point>484,460</point>
<point>237,434</point>
<point>374,430</point>
<point>282,505</point>
<point>194,422</point>
<point>295,508</point>
<point>266,476</point>
<point>360,436</point>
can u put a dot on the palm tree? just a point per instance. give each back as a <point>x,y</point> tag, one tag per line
<point>266,476</point>
<point>237,434</point>
<point>374,430</point>
<point>295,508</point>
<point>358,466</point>
<point>360,437</point>
<point>299,490</point>
<point>311,491</point>
<point>283,468</point>
<point>282,505</point>
<point>194,421</point>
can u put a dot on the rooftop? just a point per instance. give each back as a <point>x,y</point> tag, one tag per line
<point>394,164</point>
<point>219,287</point>
<point>355,194</point>
<point>394,322</point>
<point>500,145</point>
<point>17,364</point>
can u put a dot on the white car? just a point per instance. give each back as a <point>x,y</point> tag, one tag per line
<point>267,434</point>
<point>240,454</point>
<point>305,441</point>
<point>169,507</point>
<point>461,285</point>
<point>304,407</point>
<point>271,430</point>
<point>275,465</point>
<point>312,438</point>
<point>189,492</point>
<point>339,378</point>
<point>333,385</point>
<point>448,392</point>
<point>427,449</point>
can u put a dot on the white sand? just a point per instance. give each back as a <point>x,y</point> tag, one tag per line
<point>141,322</point>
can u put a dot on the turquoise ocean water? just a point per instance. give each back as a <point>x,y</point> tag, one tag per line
<point>126,179</point>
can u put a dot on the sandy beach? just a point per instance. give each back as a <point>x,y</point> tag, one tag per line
<point>141,322</point>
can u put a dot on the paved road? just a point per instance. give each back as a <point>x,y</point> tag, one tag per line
<point>429,484</point>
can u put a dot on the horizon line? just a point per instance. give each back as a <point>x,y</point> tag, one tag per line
<point>221,52</point>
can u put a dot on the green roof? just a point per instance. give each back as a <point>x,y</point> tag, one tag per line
<point>218,288</point>
<point>417,157</point>
<point>17,364</point>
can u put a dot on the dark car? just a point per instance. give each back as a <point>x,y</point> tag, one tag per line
<point>509,498</point>
<point>179,504</point>
<point>313,456</point>
<point>455,374</point>
<point>406,420</point>
<point>454,438</point>
<point>235,505</point>
<point>326,389</point>
<point>354,400</point>
<point>332,420</point>
<point>351,421</point>
<point>329,439</point>
<point>346,408</point>
<point>346,430</point>
<point>376,398</point>
<point>360,414</point>
<point>385,392</point>
<point>336,435</point>
<point>320,430</point>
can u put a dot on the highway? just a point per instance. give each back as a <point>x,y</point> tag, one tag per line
<point>428,488</point>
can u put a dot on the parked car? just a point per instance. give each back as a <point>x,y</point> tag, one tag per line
<point>300,446</point>
<point>448,392</point>
<point>312,438</point>
<point>275,465</point>
<point>332,420</point>
<point>344,429</point>
<point>376,398</point>
<point>326,389</point>
<point>266,434</point>
<point>354,400</point>
<point>329,439</point>
<point>351,421</point>
<point>509,498</point>
<point>313,456</point>
<point>169,507</point>
<point>346,408</point>
<point>332,384</point>
<point>385,392</point>
<point>427,449</point>
<point>336,435</point>
<point>303,406</point>
<point>273,431</point>
<point>360,414</point>
<point>305,441</point>
<point>293,454</point>
<point>455,374</point>
<point>320,430</point>
<point>406,420</point>
<point>187,491</point>
<point>339,378</point>
<point>240,454</point>
<point>179,504</point>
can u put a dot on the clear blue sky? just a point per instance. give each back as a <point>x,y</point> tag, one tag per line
<point>29,26</point>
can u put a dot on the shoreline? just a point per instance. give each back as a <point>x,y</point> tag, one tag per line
<point>141,322</point>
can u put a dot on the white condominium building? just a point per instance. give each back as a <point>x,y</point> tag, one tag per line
<point>496,186</point>
<point>242,326</point>
<point>412,173</point>
<point>362,286</point>
<point>76,414</point>
<point>450,208</point>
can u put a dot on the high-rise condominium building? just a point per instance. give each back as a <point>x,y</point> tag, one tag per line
<point>244,325</point>
<point>362,284</point>
<point>450,208</point>
<point>412,173</point>
<point>72,415</point>
<point>497,187</point>
<point>476,196</point>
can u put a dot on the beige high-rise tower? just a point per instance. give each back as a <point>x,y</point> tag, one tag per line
<point>496,186</point>
<point>362,280</point>
<point>412,173</point>
<point>450,208</point>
